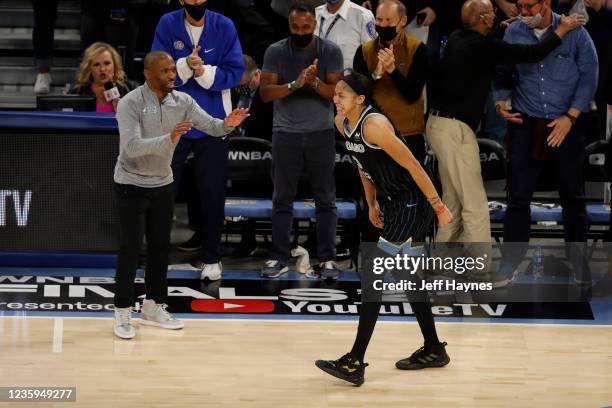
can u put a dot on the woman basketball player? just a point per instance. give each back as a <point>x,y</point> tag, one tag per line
<point>391,174</point>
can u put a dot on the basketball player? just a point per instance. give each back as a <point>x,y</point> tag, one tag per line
<point>390,173</point>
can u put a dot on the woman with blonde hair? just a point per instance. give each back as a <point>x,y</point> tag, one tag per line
<point>101,70</point>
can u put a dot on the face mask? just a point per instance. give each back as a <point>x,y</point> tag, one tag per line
<point>532,21</point>
<point>195,11</point>
<point>301,40</point>
<point>386,34</point>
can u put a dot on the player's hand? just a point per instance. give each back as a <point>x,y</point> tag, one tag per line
<point>444,215</point>
<point>503,110</point>
<point>509,9</point>
<point>236,117</point>
<point>180,129</point>
<point>311,77</point>
<point>561,127</point>
<point>193,60</point>
<point>387,59</point>
<point>376,216</point>
<point>430,16</point>
<point>569,23</point>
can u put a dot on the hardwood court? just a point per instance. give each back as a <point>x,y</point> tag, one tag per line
<point>262,363</point>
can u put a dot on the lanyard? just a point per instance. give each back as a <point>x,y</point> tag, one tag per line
<point>333,23</point>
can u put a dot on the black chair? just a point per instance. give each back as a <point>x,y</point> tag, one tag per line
<point>249,167</point>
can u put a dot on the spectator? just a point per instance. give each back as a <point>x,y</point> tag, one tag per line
<point>45,14</point>
<point>151,121</point>
<point>101,65</point>
<point>209,63</point>
<point>112,22</point>
<point>345,24</point>
<point>280,12</point>
<point>258,124</point>
<point>299,75</point>
<point>398,64</point>
<point>466,73</point>
<point>599,27</point>
<point>544,125</point>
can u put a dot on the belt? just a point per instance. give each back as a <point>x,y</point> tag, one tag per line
<point>439,114</point>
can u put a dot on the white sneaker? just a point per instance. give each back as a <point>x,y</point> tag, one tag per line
<point>123,323</point>
<point>155,314</point>
<point>43,83</point>
<point>211,271</point>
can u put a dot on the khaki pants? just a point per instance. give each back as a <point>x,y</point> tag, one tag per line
<point>456,149</point>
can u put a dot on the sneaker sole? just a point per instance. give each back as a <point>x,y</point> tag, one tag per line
<point>184,249</point>
<point>433,364</point>
<point>322,364</point>
<point>157,324</point>
<point>282,271</point>
<point>126,337</point>
<point>211,278</point>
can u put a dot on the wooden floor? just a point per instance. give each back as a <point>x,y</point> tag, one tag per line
<point>269,364</point>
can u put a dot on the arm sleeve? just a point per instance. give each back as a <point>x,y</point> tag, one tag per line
<point>206,123</point>
<point>227,73</point>
<point>506,53</point>
<point>411,85</point>
<point>588,67</point>
<point>131,141</point>
<point>270,61</point>
<point>161,39</point>
<point>183,70</point>
<point>368,31</point>
<point>503,82</point>
<point>359,64</point>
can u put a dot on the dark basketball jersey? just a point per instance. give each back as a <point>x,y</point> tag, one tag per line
<point>386,174</point>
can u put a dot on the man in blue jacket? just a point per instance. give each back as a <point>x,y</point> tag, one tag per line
<point>209,64</point>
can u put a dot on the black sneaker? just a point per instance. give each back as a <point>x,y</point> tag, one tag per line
<point>192,244</point>
<point>425,358</point>
<point>346,368</point>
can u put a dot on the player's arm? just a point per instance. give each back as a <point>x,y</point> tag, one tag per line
<point>378,131</point>
<point>375,215</point>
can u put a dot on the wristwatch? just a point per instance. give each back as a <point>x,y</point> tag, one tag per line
<point>292,86</point>
<point>571,117</point>
<point>318,84</point>
<point>376,76</point>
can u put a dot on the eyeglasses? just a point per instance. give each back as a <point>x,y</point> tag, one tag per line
<point>527,7</point>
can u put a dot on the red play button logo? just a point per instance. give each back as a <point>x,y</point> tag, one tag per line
<point>232,306</point>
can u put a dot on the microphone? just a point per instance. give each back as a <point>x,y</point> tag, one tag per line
<point>111,92</point>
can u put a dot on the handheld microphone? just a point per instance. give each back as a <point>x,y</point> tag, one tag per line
<point>111,92</point>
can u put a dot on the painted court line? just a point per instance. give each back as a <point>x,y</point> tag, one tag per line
<point>58,334</point>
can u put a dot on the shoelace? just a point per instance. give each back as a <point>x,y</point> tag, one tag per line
<point>125,317</point>
<point>161,308</point>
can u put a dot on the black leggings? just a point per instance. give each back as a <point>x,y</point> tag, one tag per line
<point>143,211</point>
<point>415,219</point>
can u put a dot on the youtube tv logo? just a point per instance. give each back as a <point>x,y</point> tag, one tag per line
<point>232,306</point>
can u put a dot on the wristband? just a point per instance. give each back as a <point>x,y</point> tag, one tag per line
<point>440,209</point>
<point>571,117</point>
<point>376,76</point>
<point>292,86</point>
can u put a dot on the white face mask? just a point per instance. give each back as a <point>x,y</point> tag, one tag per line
<point>532,21</point>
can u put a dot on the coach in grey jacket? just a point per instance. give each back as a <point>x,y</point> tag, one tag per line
<point>152,118</point>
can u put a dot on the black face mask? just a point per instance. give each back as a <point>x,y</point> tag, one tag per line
<point>386,34</point>
<point>195,11</point>
<point>301,40</point>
